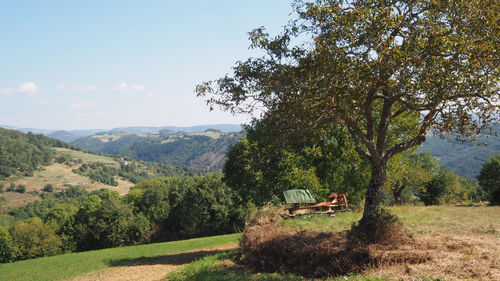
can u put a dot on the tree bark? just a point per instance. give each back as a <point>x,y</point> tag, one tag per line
<point>397,195</point>
<point>374,190</point>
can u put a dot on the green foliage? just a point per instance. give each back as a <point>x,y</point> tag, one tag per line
<point>156,198</point>
<point>61,218</point>
<point>64,159</point>
<point>436,188</point>
<point>23,153</point>
<point>105,221</point>
<point>72,195</point>
<point>7,247</point>
<point>260,167</point>
<point>208,207</point>
<point>48,188</point>
<point>489,179</point>
<point>98,172</point>
<point>187,207</point>
<point>33,238</point>
<point>20,188</point>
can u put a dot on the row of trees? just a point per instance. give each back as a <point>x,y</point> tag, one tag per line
<point>155,210</point>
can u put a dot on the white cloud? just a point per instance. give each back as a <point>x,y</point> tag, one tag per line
<point>79,104</point>
<point>158,98</point>
<point>123,86</point>
<point>28,88</point>
<point>6,92</point>
<point>24,88</point>
<point>43,101</point>
<point>64,88</point>
<point>137,88</point>
<point>92,88</point>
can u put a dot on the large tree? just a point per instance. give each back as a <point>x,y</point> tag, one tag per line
<point>370,65</point>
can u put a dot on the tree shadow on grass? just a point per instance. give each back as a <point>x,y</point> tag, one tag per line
<point>175,259</point>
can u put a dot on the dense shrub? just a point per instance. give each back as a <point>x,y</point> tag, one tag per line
<point>7,247</point>
<point>489,180</point>
<point>32,238</point>
<point>105,221</point>
<point>208,207</point>
<point>48,188</point>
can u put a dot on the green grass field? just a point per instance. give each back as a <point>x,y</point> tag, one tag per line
<point>68,266</point>
<point>87,157</point>
<point>417,219</point>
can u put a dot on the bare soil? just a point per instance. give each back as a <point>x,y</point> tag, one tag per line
<point>150,269</point>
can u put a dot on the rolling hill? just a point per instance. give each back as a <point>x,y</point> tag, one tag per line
<point>463,158</point>
<point>29,162</point>
<point>201,150</point>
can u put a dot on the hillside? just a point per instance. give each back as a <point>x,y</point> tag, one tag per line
<point>24,153</point>
<point>201,150</point>
<point>28,163</point>
<point>462,158</point>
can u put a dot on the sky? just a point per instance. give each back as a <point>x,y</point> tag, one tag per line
<point>97,64</point>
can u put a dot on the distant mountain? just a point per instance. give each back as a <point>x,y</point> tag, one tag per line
<point>201,150</point>
<point>462,158</point>
<point>64,136</point>
<point>131,130</point>
<point>78,133</point>
<point>192,129</point>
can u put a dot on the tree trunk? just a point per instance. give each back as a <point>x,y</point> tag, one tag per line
<point>397,195</point>
<point>374,191</point>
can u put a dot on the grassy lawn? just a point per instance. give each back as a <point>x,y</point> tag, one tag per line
<point>67,266</point>
<point>417,219</point>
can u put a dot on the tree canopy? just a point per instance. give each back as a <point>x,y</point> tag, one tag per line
<point>390,71</point>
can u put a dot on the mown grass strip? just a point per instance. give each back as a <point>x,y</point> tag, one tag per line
<point>68,266</point>
<point>212,268</point>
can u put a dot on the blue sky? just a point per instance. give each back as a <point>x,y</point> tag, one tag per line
<point>104,64</point>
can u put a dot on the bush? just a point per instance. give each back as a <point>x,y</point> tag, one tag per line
<point>48,188</point>
<point>436,189</point>
<point>105,221</point>
<point>21,188</point>
<point>208,208</point>
<point>33,238</point>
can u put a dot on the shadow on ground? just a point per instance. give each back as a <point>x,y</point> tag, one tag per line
<point>176,259</point>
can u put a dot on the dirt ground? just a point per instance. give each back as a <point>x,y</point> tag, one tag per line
<point>152,269</point>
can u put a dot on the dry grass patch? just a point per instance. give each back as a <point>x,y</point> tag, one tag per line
<point>267,246</point>
<point>452,257</point>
